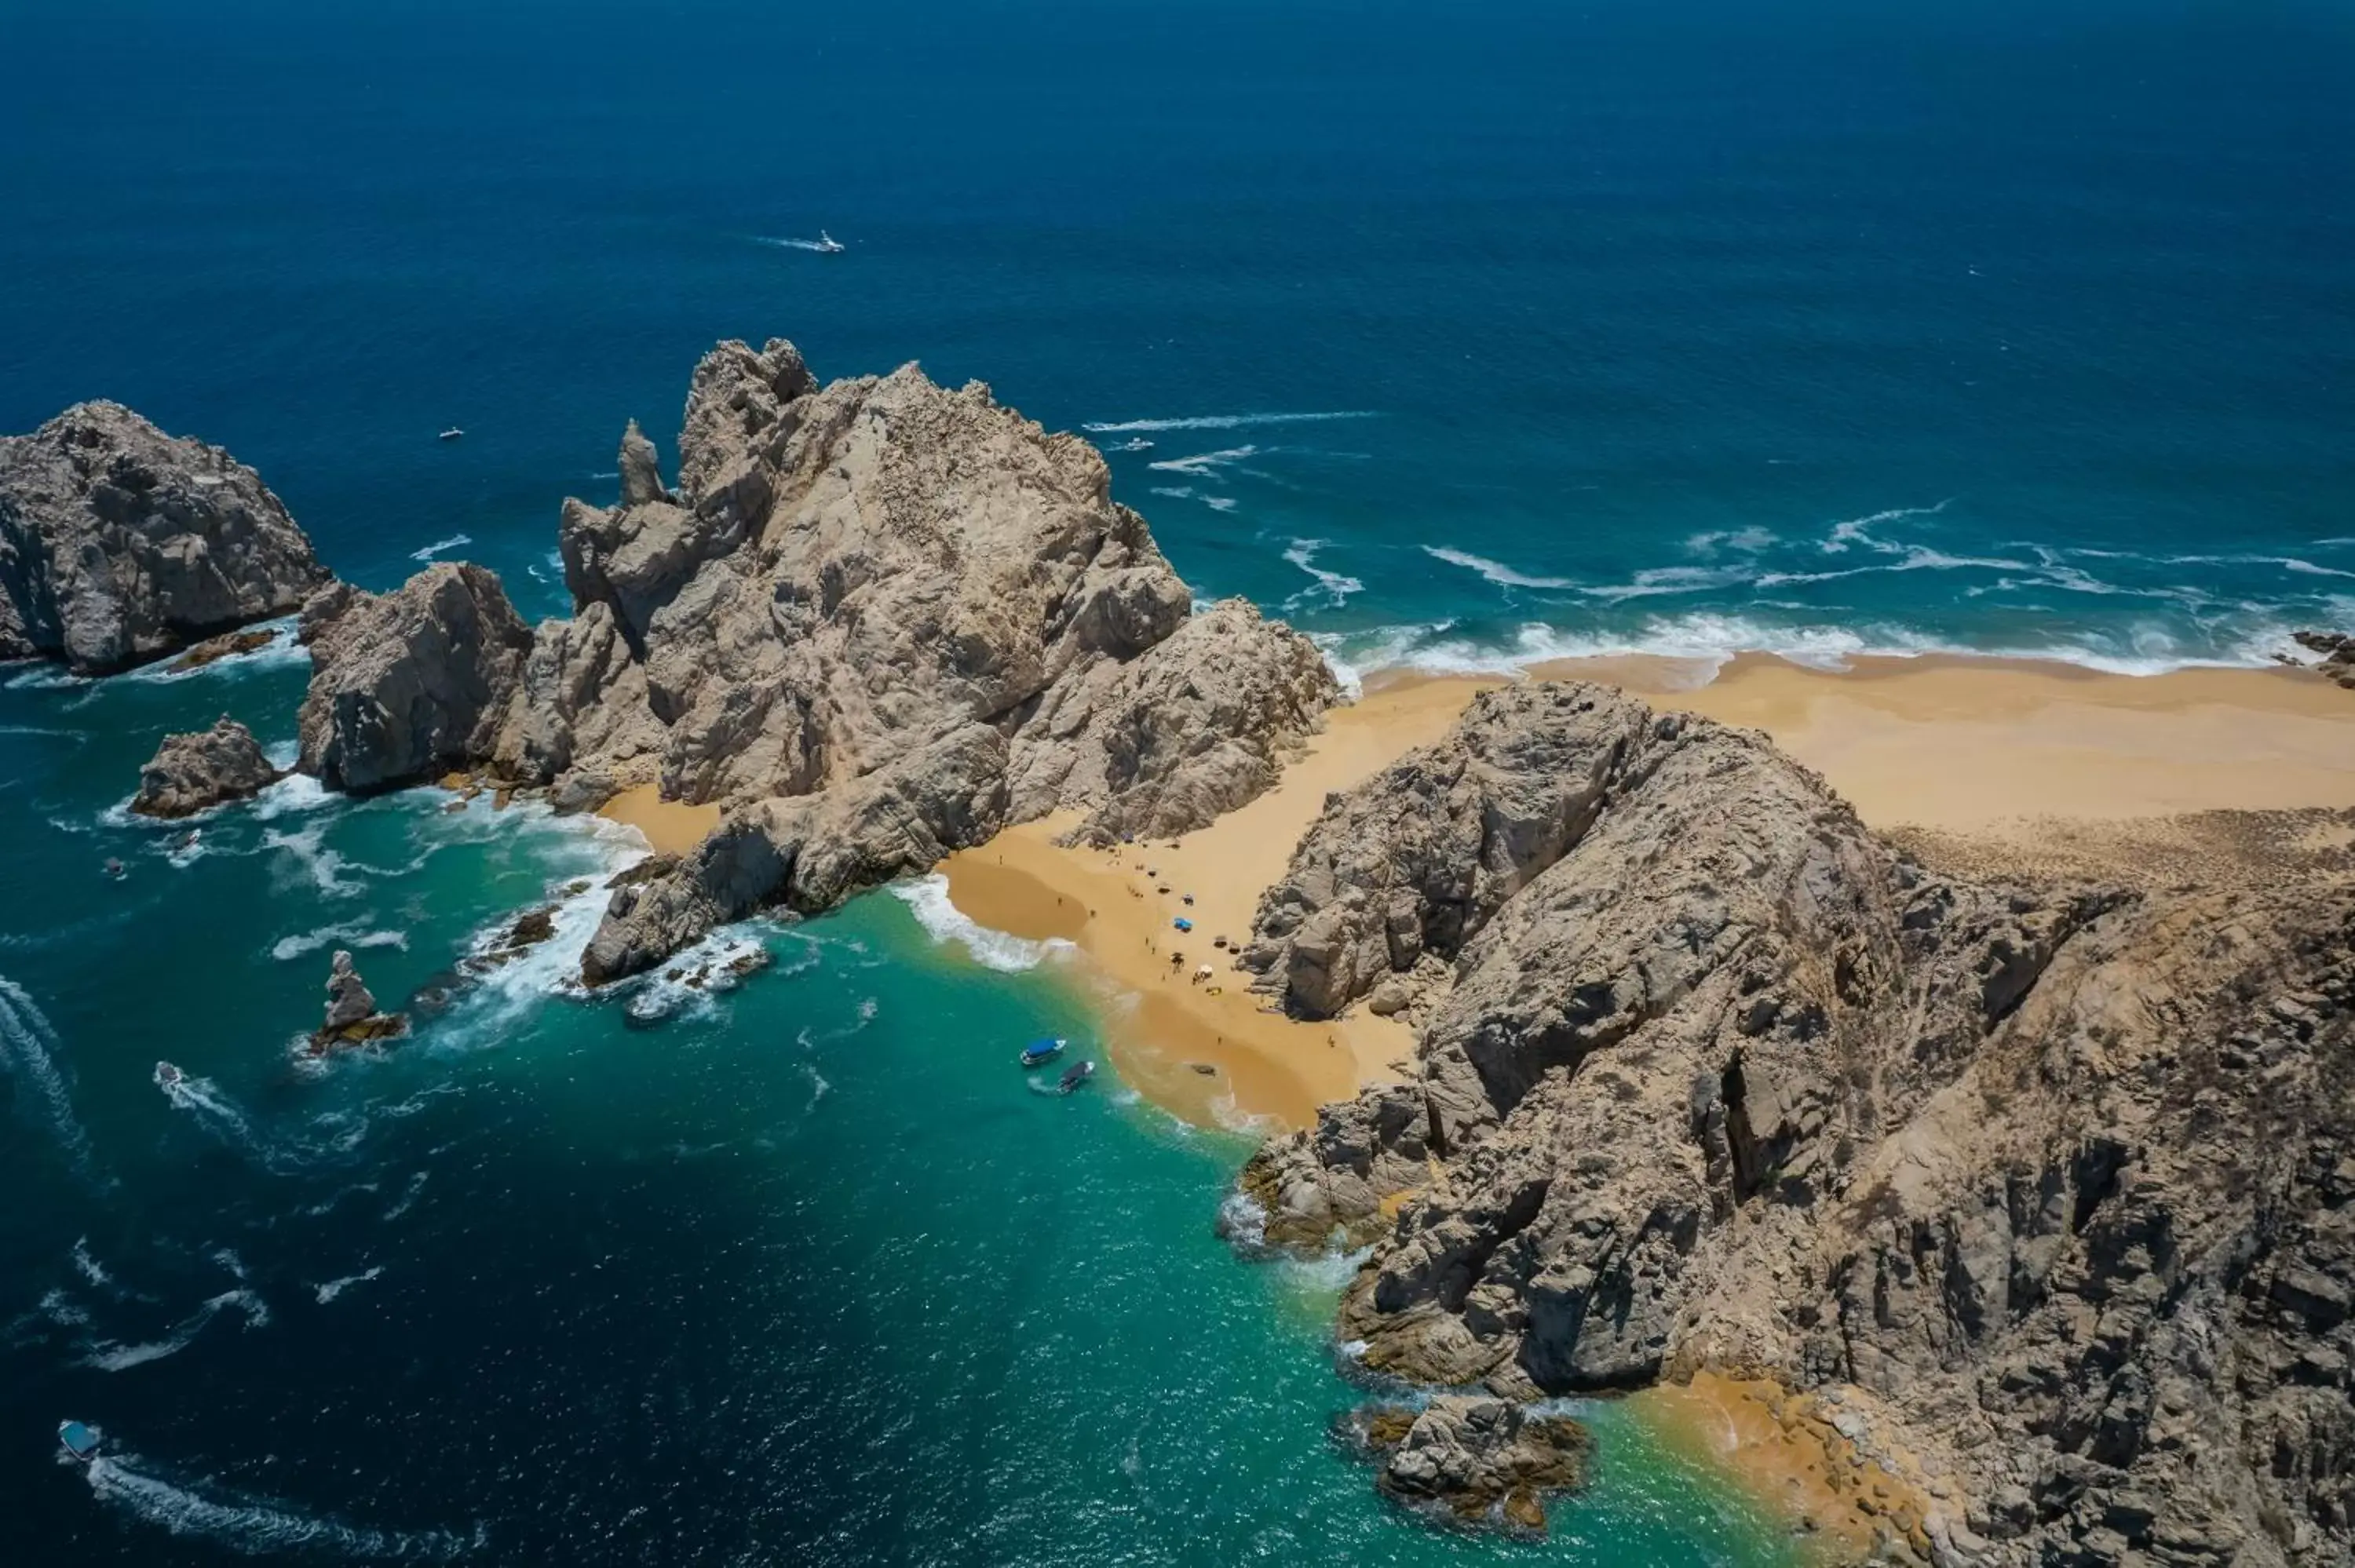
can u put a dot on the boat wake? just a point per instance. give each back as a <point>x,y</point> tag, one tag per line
<point>255,1526</point>
<point>1221,422</point>
<point>824,245</point>
<point>29,1048</point>
<point>427,553</point>
<point>112,1356</point>
<point>334,1287</point>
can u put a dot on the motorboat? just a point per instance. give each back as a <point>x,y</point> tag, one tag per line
<point>167,1076</point>
<point>827,245</point>
<point>77,1440</point>
<point>452,433</point>
<point>1078,1072</point>
<point>1040,1052</point>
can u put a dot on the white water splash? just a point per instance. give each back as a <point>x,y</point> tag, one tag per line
<point>1336,586</point>
<point>354,935</point>
<point>928,898</point>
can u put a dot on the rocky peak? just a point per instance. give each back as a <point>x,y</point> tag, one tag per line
<point>120,544</point>
<point>641,471</point>
<point>408,685</point>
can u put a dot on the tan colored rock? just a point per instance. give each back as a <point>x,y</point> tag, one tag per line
<point>196,772</point>
<point>408,685</point>
<point>2059,1181</point>
<point>119,544</point>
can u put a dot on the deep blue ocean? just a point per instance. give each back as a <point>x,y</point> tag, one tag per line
<point>1456,336</point>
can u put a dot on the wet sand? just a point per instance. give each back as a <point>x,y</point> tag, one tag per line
<point>1782,1448</point>
<point>671,827</point>
<point>1989,748</point>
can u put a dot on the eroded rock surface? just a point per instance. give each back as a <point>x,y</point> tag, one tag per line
<point>2063,1175</point>
<point>197,771</point>
<point>874,621</point>
<point>1478,1459</point>
<point>352,1018</point>
<point>410,684</point>
<point>120,544</point>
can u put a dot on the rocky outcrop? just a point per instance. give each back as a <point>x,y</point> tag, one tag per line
<point>2060,1175</point>
<point>2335,655</point>
<point>119,544</point>
<point>352,1015</point>
<point>409,686</point>
<point>1477,1459</point>
<point>196,772</point>
<point>876,622</point>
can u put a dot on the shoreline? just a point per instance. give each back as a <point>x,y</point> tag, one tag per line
<point>1976,751</point>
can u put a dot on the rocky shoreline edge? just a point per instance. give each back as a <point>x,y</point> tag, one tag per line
<point>2042,1185</point>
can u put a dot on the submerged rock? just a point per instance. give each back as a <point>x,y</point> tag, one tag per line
<point>2055,1185</point>
<point>120,544</point>
<point>2337,654</point>
<point>197,771</point>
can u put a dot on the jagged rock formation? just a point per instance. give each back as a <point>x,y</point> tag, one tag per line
<point>2064,1175</point>
<point>1477,1458</point>
<point>119,544</point>
<point>877,621</point>
<point>352,1016</point>
<point>2336,651</point>
<point>408,685</point>
<point>196,772</point>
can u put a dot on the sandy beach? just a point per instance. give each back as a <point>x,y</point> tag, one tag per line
<point>671,827</point>
<point>1988,751</point>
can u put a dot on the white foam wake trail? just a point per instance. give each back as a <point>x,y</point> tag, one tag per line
<point>1495,572</point>
<point>112,1356</point>
<point>454,542</point>
<point>1205,465</point>
<point>27,1050</point>
<point>1221,422</point>
<point>928,898</point>
<point>334,1287</point>
<point>1336,586</point>
<point>356,935</point>
<point>257,1526</point>
<point>786,243</point>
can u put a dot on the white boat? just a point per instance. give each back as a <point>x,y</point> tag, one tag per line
<point>828,244</point>
<point>452,433</point>
<point>169,1077</point>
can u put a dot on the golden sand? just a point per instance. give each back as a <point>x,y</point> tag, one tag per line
<point>673,827</point>
<point>1980,747</point>
<point>1782,1448</point>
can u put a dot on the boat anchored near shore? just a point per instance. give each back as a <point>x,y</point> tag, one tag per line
<point>1040,1052</point>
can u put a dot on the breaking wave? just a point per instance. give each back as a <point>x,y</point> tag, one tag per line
<point>928,898</point>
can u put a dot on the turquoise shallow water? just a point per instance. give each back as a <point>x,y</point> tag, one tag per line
<point>804,1273</point>
<point>1827,326</point>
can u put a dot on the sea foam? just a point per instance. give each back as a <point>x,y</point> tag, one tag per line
<point>928,898</point>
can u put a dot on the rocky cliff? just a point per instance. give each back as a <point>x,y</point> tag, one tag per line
<point>877,621</point>
<point>2057,1178</point>
<point>119,544</point>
